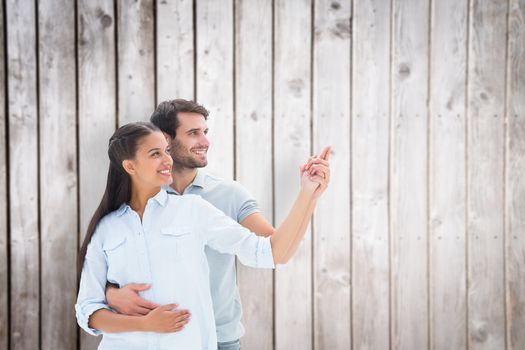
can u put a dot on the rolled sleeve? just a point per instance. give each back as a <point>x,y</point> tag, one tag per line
<point>84,312</point>
<point>264,253</point>
<point>245,204</point>
<point>91,293</point>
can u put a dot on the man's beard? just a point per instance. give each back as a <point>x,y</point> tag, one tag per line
<point>182,157</point>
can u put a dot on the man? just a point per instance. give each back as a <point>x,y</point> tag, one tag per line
<point>184,124</point>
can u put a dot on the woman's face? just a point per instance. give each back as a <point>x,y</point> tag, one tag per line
<point>152,163</point>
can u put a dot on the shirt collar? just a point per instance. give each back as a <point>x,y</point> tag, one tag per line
<point>161,198</point>
<point>122,209</point>
<point>199,179</point>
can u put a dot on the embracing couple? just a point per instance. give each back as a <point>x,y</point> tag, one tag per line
<point>157,266</point>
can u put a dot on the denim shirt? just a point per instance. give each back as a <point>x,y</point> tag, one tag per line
<point>166,250</point>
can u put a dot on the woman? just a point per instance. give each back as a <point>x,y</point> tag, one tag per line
<point>142,234</point>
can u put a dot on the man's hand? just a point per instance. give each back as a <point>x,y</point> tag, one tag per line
<point>126,300</point>
<point>165,319</point>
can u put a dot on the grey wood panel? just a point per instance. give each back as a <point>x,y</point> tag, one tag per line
<point>370,180</point>
<point>58,173</point>
<point>515,185</point>
<point>447,178</point>
<point>23,170</point>
<point>175,51</point>
<point>136,61</point>
<point>408,174</point>
<point>253,129</point>
<point>331,126</point>
<point>292,145</point>
<point>214,84</point>
<point>4,272</point>
<point>96,110</point>
<point>485,174</point>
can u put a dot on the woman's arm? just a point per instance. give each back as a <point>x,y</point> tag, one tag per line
<point>226,236</point>
<point>289,234</point>
<point>314,174</point>
<point>162,320</point>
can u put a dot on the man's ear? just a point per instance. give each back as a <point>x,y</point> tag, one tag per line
<point>168,137</point>
<point>128,166</point>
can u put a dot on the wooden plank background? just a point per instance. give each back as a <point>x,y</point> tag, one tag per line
<point>419,243</point>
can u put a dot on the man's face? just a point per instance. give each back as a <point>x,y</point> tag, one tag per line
<point>189,149</point>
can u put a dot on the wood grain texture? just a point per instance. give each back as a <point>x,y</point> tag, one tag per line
<point>253,130</point>
<point>215,80</point>
<point>136,61</point>
<point>515,186</point>
<point>370,168</point>
<point>447,181</point>
<point>58,173</point>
<point>485,174</point>
<point>292,89</point>
<point>331,126</point>
<point>23,169</point>
<point>408,173</point>
<point>4,272</point>
<point>96,110</point>
<point>175,51</point>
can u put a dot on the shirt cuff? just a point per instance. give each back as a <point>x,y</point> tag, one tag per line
<point>85,312</point>
<point>264,253</point>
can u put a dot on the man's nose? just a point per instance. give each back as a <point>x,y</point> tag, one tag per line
<point>204,140</point>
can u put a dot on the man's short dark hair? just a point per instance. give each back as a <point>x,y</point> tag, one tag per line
<point>165,115</point>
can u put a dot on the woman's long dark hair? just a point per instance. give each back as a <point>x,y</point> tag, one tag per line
<point>122,146</point>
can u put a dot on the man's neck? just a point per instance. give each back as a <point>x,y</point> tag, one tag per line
<point>182,178</point>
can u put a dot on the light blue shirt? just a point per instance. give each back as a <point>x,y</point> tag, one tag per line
<point>236,202</point>
<point>165,250</point>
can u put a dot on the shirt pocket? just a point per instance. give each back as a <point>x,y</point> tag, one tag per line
<point>178,241</point>
<point>116,253</point>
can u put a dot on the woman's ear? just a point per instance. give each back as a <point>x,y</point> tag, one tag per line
<point>128,166</point>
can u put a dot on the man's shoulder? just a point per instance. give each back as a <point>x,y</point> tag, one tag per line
<point>213,182</point>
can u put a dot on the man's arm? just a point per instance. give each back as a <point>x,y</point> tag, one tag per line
<point>126,300</point>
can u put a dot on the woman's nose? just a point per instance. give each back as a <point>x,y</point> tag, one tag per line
<point>167,159</point>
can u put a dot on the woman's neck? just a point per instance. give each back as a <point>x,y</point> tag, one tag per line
<point>140,197</point>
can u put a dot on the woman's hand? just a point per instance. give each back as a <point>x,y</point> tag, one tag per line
<point>315,174</point>
<point>166,319</point>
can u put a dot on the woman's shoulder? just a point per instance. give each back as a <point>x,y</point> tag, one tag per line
<point>109,227</point>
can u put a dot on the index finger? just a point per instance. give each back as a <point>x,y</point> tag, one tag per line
<point>325,154</point>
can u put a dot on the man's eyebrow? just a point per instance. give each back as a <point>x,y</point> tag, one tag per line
<point>194,129</point>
